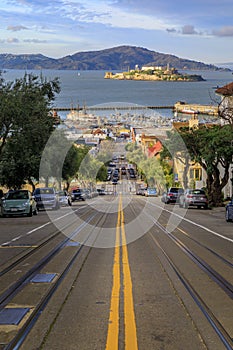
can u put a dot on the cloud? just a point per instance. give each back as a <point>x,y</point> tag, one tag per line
<point>224,31</point>
<point>35,41</point>
<point>188,29</point>
<point>16,28</point>
<point>12,40</point>
<point>171,30</point>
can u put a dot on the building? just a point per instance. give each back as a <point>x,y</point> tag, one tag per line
<point>226,104</point>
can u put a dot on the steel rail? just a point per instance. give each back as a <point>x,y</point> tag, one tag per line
<point>20,337</point>
<point>219,329</point>
<point>213,321</point>
<point>33,250</point>
<point>13,289</point>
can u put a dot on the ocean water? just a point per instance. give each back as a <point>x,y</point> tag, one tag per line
<point>89,88</point>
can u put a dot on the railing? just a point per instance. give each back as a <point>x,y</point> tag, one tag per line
<point>109,108</point>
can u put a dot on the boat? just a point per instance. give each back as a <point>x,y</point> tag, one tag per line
<point>189,111</point>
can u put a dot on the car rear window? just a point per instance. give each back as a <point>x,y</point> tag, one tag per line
<point>197,192</point>
<point>174,190</point>
<point>44,191</point>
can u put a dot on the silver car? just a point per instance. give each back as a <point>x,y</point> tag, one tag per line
<point>64,198</point>
<point>196,198</point>
<point>46,198</point>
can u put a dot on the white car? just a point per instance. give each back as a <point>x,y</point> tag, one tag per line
<point>64,198</point>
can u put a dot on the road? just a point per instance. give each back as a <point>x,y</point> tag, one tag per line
<point>117,272</point>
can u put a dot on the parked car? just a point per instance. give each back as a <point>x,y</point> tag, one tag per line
<point>195,198</point>
<point>172,195</point>
<point>64,198</point>
<point>19,202</point>
<point>140,191</point>
<point>151,192</point>
<point>101,192</point>
<point>229,211</point>
<point>46,198</point>
<point>123,170</point>
<point>114,181</point>
<point>78,195</point>
<point>132,174</point>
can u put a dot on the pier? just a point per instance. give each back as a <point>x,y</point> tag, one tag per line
<point>109,108</point>
<point>179,107</point>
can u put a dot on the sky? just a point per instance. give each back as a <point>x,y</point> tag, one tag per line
<point>200,30</point>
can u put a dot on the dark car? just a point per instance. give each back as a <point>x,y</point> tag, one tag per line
<point>229,211</point>
<point>196,198</point>
<point>123,170</point>
<point>46,198</point>
<point>101,191</point>
<point>114,181</point>
<point>78,195</point>
<point>132,174</point>
<point>18,202</point>
<point>172,195</point>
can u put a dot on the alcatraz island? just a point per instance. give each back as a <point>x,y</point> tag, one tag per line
<point>152,73</point>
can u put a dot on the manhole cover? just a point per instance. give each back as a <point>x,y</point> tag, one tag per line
<point>43,278</point>
<point>12,315</point>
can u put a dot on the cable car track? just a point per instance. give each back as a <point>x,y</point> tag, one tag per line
<point>19,338</point>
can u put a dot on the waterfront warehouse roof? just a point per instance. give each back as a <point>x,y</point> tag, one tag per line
<point>226,90</point>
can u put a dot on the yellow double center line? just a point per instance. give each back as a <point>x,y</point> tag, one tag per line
<point>129,317</point>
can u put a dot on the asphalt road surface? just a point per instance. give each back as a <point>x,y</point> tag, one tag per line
<point>117,272</point>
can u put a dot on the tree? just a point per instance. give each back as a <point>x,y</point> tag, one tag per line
<point>26,124</point>
<point>212,149</point>
<point>175,148</point>
<point>72,163</point>
<point>149,168</point>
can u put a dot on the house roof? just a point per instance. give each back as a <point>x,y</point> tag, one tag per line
<point>97,131</point>
<point>156,148</point>
<point>226,90</point>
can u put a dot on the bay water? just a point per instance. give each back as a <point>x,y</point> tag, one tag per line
<point>89,88</point>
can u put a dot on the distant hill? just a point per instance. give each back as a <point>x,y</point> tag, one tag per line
<point>116,58</point>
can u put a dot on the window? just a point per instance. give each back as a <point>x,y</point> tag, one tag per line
<point>195,173</point>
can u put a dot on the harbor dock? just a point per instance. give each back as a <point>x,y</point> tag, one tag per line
<point>109,108</point>
<point>182,107</point>
<point>179,107</point>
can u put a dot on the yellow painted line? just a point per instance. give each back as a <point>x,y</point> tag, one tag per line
<point>113,327</point>
<point>130,324</point>
<point>184,232</point>
<point>129,316</point>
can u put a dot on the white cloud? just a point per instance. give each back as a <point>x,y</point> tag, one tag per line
<point>188,29</point>
<point>12,40</point>
<point>16,28</point>
<point>224,31</point>
<point>35,41</point>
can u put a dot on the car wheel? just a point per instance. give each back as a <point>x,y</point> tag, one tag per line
<point>57,206</point>
<point>30,212</point>
<point>35,212</point>
<point>227,216</point>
